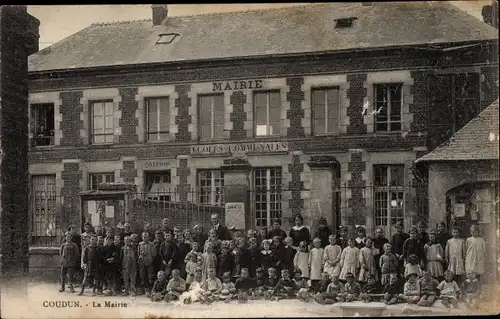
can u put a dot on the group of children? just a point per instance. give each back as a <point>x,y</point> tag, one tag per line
<point>169,265</point>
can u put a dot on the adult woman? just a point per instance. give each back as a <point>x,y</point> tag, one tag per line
<point>276,231</point>
<point>199,236</point>
<point>299,232</point>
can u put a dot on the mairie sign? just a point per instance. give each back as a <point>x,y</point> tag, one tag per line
<point>264,147</point>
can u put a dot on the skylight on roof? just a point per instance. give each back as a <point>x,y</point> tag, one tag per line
<point>344,22</point>
<point>166,38</point>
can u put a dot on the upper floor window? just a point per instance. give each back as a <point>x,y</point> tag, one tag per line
<point>158,185</point>
<point>42,124</point>
<point>325,110</point>
<point>211,116</point>
<point>102,122</point>
<point>158,119</point>
<point>388,107</point>
<point>95,179</point>
<point>267,108</point>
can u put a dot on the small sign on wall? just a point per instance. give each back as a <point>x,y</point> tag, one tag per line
<point>91,207</point>
<point>110,211</point>
<point>459,210</point>
<point>235,215</point>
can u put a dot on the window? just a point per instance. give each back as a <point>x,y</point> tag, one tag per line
<point>344,22</point>
<point>211,116</point>
<point>267,183</point>
<point>42,124</point>
<point>211,186</point>
<point>389,194</point>
<point>158,119</point>
<point>158,185</point>
<point>325,110</point>
<point>43,211</point>
<point>102,122</point>
<point>388,105</point>
<point>267,106</point>
<point>95,179</point>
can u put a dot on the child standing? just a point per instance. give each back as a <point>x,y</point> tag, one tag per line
<point>158,290</point>
<point>323,232</point>
<point>69,258</point>
<point>342,239</point>
<point>412,266</point>
<point>129,266</point>
<point>301,259</point>
<point>265,255</point>
<point>90,264</point>
<point>434,254</point>
<point>352,288</point>
<point>388,264</point>
<point>412,247</point>
<point>411,291</point>
<point>315,263</point>
<point>225,261</point>
<point>146,253</point>
<point>428,287</point>
<point>242,258</point>
<point>288,254</point>
<point>455,253</point>
<point>349,260</point>
<point>332,257</point>
<point>191,265</point>
<point>367,262</point>
<point>475,248</point>
<point>449,290</point>
<point>208,262</point>
<point>360,240</point>
<point>100,264</point>
<point>214,241</point>
<point>255,254</point>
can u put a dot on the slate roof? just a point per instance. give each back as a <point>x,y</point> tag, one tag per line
<point>298,29</point>
<point>477,140</point>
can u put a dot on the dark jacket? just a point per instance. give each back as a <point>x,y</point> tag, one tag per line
<point>223,233</point>
<point>169,252</point>
<point>69,254</point>
<point>271,282</point>
<point>113,256</point>
<point>322,285</point>
<point>200,239</point>
<point>398,241</point>
<point>285,283</point>
<point>254,260</point>
<point>245,284</point>
<point>300,235</point>
<point>276,232</point>
<point>412,246</point>
<point>288,255</point>
<point>90,258</point>
<point>266,260</point>
<point>323,233</point>
<point>243,258</point>
<point>225,262</point>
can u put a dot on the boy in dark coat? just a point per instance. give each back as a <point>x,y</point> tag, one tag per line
<point>69,258</point>
<point>112,262</point>
<point>225,262</point>
<point>288,254</point>
<point>90,264</point>
<point>323,232</point>
<point>244,285</point>
<point>254,256</point>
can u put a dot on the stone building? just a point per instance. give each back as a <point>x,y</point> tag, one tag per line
<point>18,39</point>
<point>318,109</point>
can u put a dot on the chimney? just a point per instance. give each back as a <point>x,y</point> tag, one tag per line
<point>160,13</point>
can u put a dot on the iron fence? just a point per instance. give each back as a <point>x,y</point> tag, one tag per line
<point>51,213</point>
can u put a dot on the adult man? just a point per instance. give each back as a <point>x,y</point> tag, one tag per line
<point>127,230</point>
<point>222,231</point>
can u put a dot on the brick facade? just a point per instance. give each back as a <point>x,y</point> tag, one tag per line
<point>357,185</point>
<point>238,116</point>
<point>71,122</point>
<point>295,114</point>
<point>183,118</point>
<point>128,172</point>
<point>71,176</point>
<point>295,185</point>
<point>128,106</point>
<point>356,94</point>
<point>18,39</point>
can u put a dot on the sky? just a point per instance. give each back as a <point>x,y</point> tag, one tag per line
<point>59,22</point>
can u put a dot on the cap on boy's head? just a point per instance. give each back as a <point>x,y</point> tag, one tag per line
<point>322,221</point>
<point>349,275</point>
<point>158,232</point>
<point>298,271</point>
<point>259,270</point>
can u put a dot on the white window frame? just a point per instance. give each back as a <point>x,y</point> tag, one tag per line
<point>388,99</point>
<point>328,110</point>
<point>268,102</point>
<point>214,188</point>
<point>159,132</point>
<point>212,116</point>
<point>268,194</point>
<point>34,124</point>
<point>102,176</point>
<point>388,191</point>
<point>104,116</point>
<point>43,199</point>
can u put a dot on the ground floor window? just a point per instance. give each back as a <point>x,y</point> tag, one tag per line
<point>43,210</point>
<point>211,187</point>
<point>157,185</point>
<point>389,194</point>
<point>267,197</point>
<point>99,178</point>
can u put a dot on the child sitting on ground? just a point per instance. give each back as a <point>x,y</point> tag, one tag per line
<point>285,287</point>
<point>428,287</point>
<point>334,292</point>
<point>228,288</point>
<point>352,288</point>
<point>260,283</point>
<point>244,285</point>
<point>212,287</point>
<point>472,291</point>
<point>271,282</point>
<point>392,290</point>
<point>176,286</point>
<point>158,291</point>
<point>411,291</point>
<point>449,290</point>
<point>195,291</point>
<point>370,290</point>
<point>322,285</point>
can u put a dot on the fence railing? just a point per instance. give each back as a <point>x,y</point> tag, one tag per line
<point>50,215</point>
